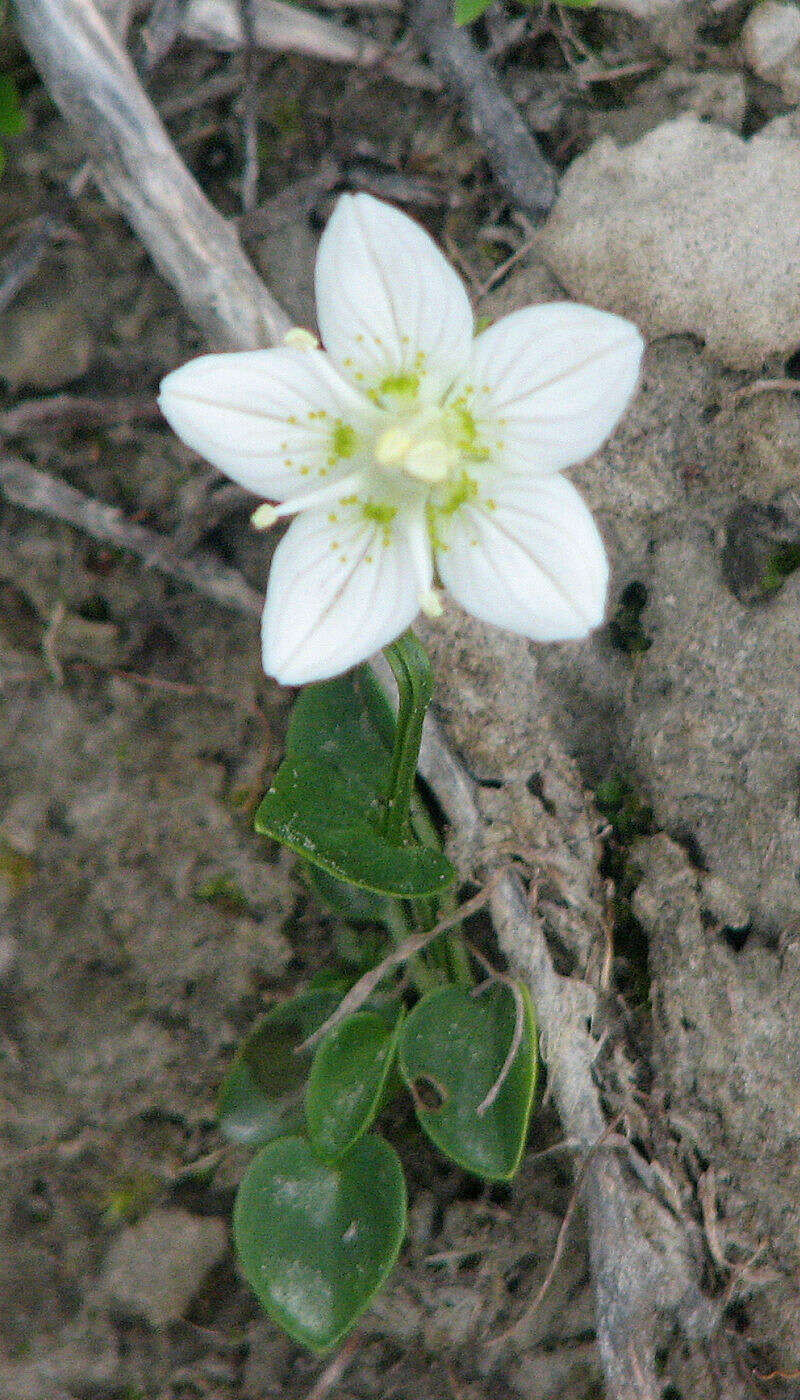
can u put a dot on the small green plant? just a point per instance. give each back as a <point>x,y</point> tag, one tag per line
<point>409,448</point>
<point>320,1214</point>
<point>12,117</point>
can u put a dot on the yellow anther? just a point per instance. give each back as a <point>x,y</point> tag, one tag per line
<point>393,446</point>
<point>263,517</point>
<point>430,605</point>
<point>301,339</point>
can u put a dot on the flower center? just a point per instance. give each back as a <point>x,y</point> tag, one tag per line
<point>418,450</point>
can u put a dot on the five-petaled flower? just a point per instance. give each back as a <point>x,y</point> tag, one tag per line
<point>409,445</point>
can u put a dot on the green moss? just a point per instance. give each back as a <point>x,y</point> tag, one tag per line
<point>780,564</point>
<point>126,1200</point>
<point>629,816</point>
<point>16,870</point>
<point>224,894</point>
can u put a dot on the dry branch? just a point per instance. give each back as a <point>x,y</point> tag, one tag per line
<point>643,1271</point>
<point>26,486</point>
<point>292,29</point>
<point>643,1276</point>
<point>513,153</point>
<point>95,85</point>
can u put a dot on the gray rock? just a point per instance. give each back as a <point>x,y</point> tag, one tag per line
<point>691,229</point>
<point>770,34</point>
<point>155,1268</point>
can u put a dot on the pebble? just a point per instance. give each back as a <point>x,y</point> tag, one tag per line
<point>156,1267</point>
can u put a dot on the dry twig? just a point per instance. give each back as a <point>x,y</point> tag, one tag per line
<point>157,35</point>
<point>335,1369</point>
<point>24,260</point>
<point>77,410</point>
<point>536,1301</point>
<point>640,1278</point>
<point>288,28</point>
<point>513,153</point>
<point>362,990</point>
<point>26,486</point>
<point>95,85</point>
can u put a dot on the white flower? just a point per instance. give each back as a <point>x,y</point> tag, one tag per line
<point>409,445</point>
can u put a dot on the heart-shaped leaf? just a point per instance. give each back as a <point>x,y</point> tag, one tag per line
<point>349,723</point>
<point>316,1241</point>
<point>314,811</point>
<point>262,1095</point>
<point>327,799</point>
<point>451,1054</point>
<point>348,901</point>
<point>347,1080</point>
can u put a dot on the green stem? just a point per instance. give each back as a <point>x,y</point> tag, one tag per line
<point>404,810</point>
<point>412,672</point>
<point>423,977</point>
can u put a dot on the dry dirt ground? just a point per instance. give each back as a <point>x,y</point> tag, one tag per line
<point>142,926</point>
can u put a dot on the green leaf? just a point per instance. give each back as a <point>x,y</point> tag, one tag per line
<point>327,799</point>
<point>347,722</point>
<point>262,1095</point>
<point>347,1080</point>
<point>349,902</point>
<point>451,1052</point>
<point>12,118</point>
<point>465,11</point>
<point>316,1241</point>
<point>313,810</point>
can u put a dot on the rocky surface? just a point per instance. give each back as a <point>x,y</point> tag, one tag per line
<point>156,1268</point>
<point>691,229</point>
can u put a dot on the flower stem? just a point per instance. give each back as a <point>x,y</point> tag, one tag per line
<point>412,671</point>
<point>404,810</point>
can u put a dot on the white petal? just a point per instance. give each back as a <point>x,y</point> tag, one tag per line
<point>339,590</point>
<point>386,296</point>
<point>560,376</point>
<point>533,562</point>
<point>265,417</point>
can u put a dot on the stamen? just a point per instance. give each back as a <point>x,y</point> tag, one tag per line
<point>301,339</point>
<point>263,517</point>
<point>419,557</point>
<point>430,604</point>
<point>266,515</point>
<point>392,447</point>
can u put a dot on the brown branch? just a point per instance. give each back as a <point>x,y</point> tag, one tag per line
<point>25,258</point>
<point>289,28</point>
<point>77,410</point>
<point>94,83</point>
<point>26,486</point>
<point>512,151</point>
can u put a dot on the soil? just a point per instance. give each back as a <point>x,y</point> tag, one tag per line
<point>143,925</point>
